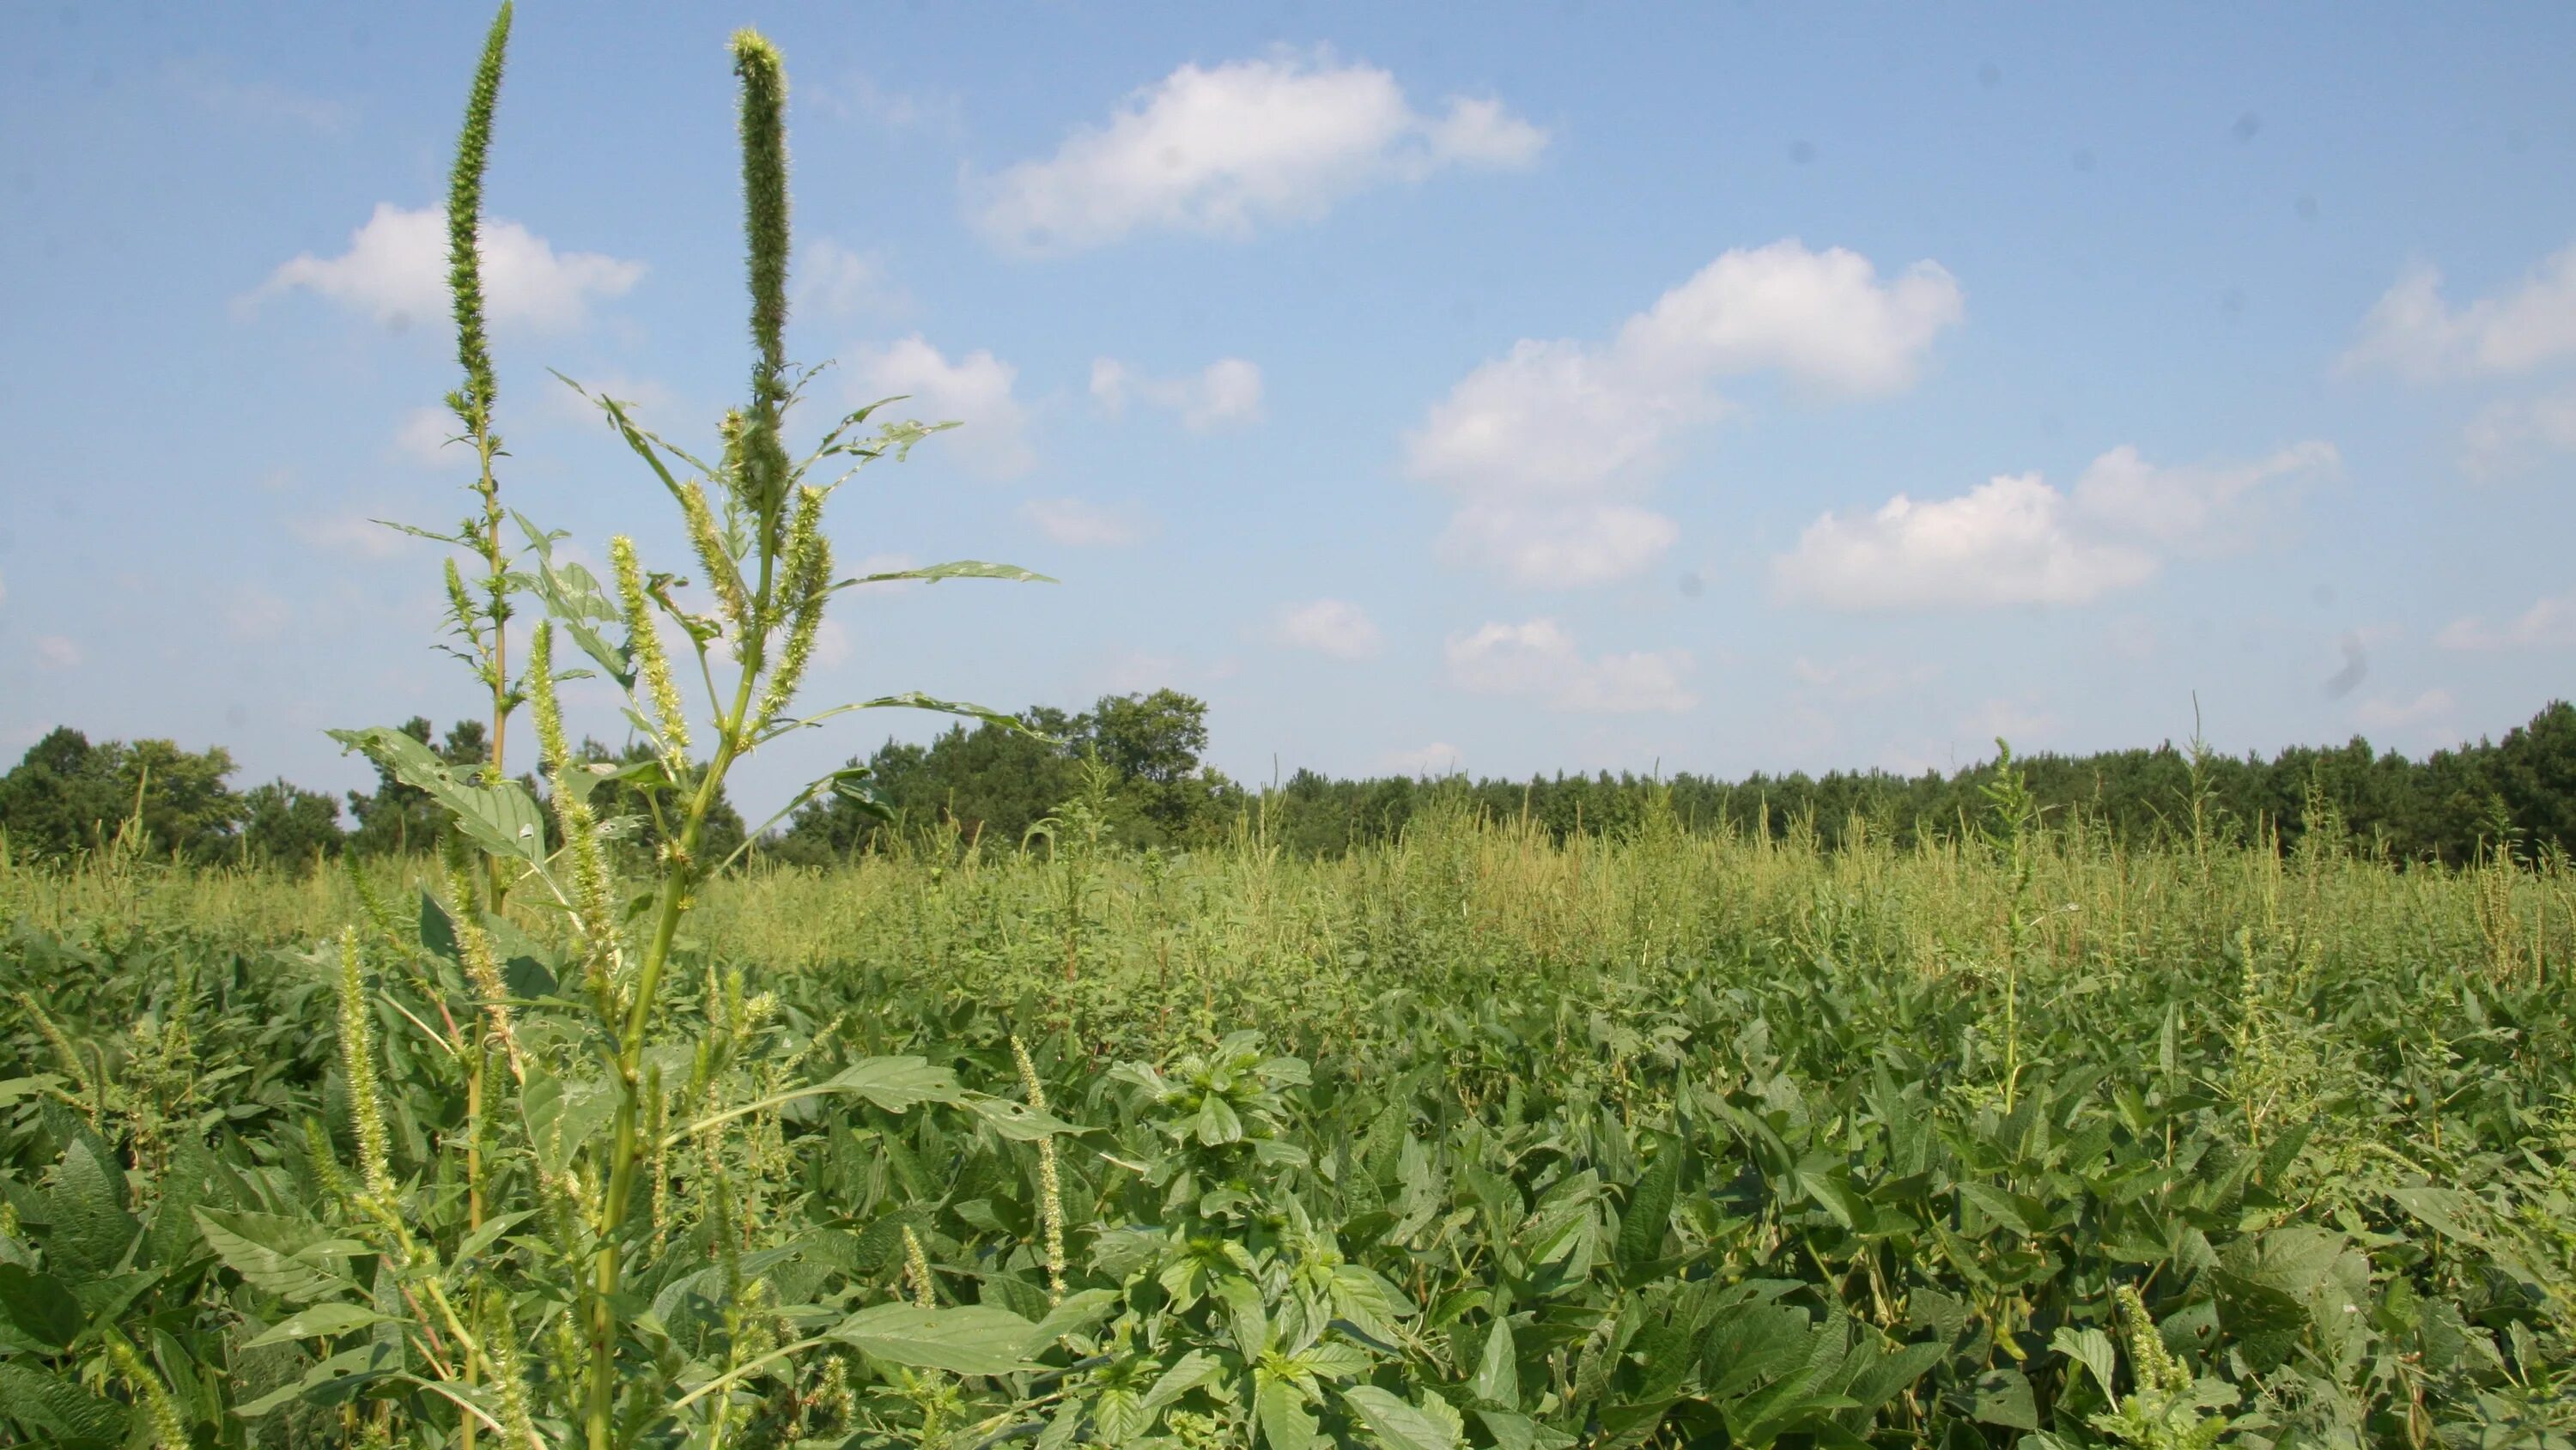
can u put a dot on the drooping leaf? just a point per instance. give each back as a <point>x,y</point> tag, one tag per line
<point>973,1339</point>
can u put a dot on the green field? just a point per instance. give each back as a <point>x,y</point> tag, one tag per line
<point>1475,1138</point>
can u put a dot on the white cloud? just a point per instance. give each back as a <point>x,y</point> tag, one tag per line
<point>2008,541</point>
<point>1437,759</point>
<point>396,272</point>
<point>2413,331</point>
<point>1071,522</point>
<point>975,389</point>
<point>1335,627</point>
<point>4,589</point>
<point>836,281</point>
<point>2433,709</point>
<point>2198,507</point>
<point>2017,540</point>
<point>1551,448</point>
<point>1227,391</point>
<point>57,652</point>
<point>1539,658</point>
<point>2550,623</point>
<point>1224,150</point>
<point>2513,434</point>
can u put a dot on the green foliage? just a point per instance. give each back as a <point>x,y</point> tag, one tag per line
<point>67,796</point>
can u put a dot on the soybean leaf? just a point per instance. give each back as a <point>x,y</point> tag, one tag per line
<point>974,1339</point>
<point>320,1322</point>
<point>1432,1425</point>
<point>39,1306</point>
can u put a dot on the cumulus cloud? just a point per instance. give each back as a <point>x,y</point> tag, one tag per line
<point>2018,540</point>
<point>56,651</point>
<point>2550,623</point>
<point>1071,522</point>
<point>2413,331</point>
<point>1539,659</point>
<point>1552,448</point>
<point>975,389</point>
<point>1225,392</point>
<point>1227,149</point>
<point>1439,758</point>
<point>1334,627</point>
<point>2513,434</point>
<point>395,271</point>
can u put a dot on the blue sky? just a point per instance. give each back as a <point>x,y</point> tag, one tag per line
<point>1526,388</point>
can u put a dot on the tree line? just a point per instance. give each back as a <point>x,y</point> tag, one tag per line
<point>1137,761</point>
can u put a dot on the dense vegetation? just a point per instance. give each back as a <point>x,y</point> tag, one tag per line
<point>996,782</point>
<point>1473,1137</point>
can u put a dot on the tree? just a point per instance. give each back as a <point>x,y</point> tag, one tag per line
<point>67,795</point>
<point>286,825</point>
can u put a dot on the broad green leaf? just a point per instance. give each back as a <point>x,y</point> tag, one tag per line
<point>1017,1121</point>
<point>17,1088</point>
<point>329,1382</point>
<point>1431,1425</point>
<point>40,1307</point>
<point>92,1230</point>
<point>59,1408</point>
<point>1498,1374</point>
<point>1182,1376</point>
<point>974,1339</point>
<point>1079,1311</point>
<point>2092,1349</point>
<point>1650,1209</point>
<point>1119,1415</point>
<point>320,1322</point>
<point>897,1083</point>
<point>1280,1412</point>
<point>280,1256</point>
<point>503,819</point>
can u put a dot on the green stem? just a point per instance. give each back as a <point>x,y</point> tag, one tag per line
<point>626,1146</point>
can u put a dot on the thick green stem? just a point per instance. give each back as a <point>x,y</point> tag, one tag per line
<point>678,875</point>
